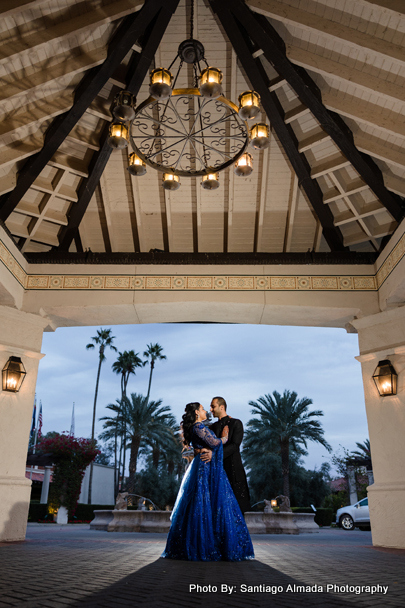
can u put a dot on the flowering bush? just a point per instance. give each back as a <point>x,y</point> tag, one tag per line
<point>72,457</point>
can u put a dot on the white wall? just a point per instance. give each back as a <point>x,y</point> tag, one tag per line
<point>102,492</point>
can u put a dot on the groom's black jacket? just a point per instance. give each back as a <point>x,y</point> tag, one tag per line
<point>232,459</point>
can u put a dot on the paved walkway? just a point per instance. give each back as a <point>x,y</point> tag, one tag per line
<point>60,566</point>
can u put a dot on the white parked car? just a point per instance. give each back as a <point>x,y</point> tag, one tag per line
<point>354,516</point>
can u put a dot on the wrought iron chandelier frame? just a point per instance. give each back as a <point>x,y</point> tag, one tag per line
<point>196,145</point>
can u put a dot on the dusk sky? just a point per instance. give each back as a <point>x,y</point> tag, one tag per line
<point>238,362</point>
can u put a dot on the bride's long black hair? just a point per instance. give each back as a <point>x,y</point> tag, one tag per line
<point>189,419</point>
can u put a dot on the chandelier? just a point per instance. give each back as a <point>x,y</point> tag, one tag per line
<point>188,132</point>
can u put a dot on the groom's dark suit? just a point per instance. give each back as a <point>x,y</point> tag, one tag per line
<point>232,460</point>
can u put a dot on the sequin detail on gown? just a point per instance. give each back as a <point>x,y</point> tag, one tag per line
<point>207,523</point>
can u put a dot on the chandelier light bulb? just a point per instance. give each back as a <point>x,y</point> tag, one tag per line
<point>123,107</point>
<point>161,81</point>
<point>244,165</point>
<point>136,166</point>
<point>249,105</point>
<point>210,181</point>
<point>210,83</point>
<point>171,181</point>
<point>260,136</point>
<point>118,135</point>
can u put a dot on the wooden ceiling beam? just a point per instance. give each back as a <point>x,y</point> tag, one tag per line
<point>33,114</point>
<point>156,26</point>
<point>131,29</point>
<point>12,7</point>
<point>265,37</point>
<point>303,19</point>
<point>19,83</point>
<point>69,28</point>
<point>256,76</point>
<point>339,71</point>
<point>364,112</point>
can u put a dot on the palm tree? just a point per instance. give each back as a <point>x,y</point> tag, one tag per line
<point>364,450</point>
<point>147,423</point>
<point>284,423</point>
<point>154,353</point>
<point>126,364</point>
<point>102,339</point>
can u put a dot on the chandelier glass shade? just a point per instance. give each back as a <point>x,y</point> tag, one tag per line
<point>136,165</point>
<point>244,165</point>
<point>161,81</point>
<point>210,181</point>
<point>171,181</point>
<point>118,135</point>
<point>260,136</point>
<point>249,105</point>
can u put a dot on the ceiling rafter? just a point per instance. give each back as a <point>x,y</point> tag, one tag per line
<point>136,72</point>
<point>131,29</point>
<point>68,28</point>
<point>256,75</point>
<point>328,28</point>
<point>266,38</point>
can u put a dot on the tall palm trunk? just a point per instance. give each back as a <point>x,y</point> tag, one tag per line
<point>94,418</point>
<point>285,466</point>
<point>152,365</point>
<point>132,467</point>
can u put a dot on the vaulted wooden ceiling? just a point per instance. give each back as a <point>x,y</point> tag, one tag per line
<point>331,76</point>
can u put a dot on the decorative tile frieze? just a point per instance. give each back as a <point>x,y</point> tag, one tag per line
<point>9,261</point>
<point>203,282</point>
<point>391,261</point>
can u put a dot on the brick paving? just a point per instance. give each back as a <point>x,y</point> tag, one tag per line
<point>72,566</point>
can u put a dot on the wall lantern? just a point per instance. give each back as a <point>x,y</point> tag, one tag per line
<point>259,136</point>
<point>210,181</point>
<point>210,83</point>
<point>273,503</point>
<point>160,83</point>
<point>123,106</point>
<point>244,165</point>
<point>171,181</point>
<point>13,375</point>
<point>249,105</point>
<point>136,165</point>
<point>385,378</point>
<point>118,135</point>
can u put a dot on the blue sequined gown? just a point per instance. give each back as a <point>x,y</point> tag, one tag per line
<point>207,523</point>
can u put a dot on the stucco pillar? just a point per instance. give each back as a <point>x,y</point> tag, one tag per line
<point>45,485</point>
<point>20,336</point>
<point>382,336</point>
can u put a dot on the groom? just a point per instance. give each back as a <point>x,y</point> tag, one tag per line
<point>232,460</point>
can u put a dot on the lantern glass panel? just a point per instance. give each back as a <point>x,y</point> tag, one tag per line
<point>244,165</point>
<point>161,83</point>
<point>385,378</point>
<point>13,374</point>
<point>210,82</point>
<point>118,135</point>
<point>171,181</point>
<point>136,165</point>
<point>249,105</point>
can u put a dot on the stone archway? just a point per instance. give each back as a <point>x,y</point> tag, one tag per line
<point>358,298</point>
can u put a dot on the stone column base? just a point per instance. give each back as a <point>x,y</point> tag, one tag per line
<point>15,495</point>
<point>386,504</point>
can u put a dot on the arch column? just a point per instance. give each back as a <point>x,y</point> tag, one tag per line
<point>21,336</point>
<point>382,336</point>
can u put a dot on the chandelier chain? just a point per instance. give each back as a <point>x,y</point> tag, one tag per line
<point>192,20</point>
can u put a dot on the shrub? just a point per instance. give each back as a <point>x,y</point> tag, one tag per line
<point>72,456</point>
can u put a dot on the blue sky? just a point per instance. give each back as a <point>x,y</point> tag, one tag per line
<point>238,362</point>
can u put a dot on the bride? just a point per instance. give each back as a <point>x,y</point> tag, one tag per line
<point>207,523</point>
